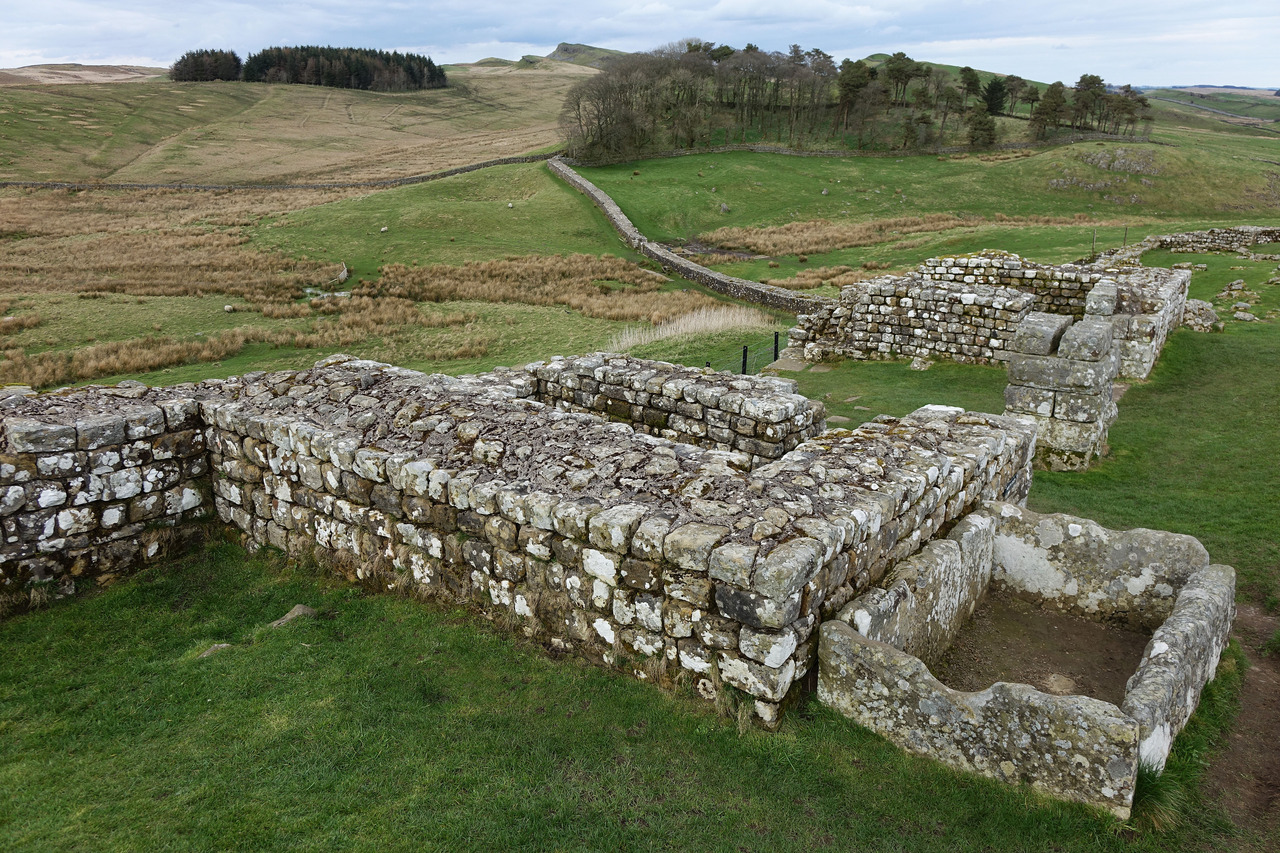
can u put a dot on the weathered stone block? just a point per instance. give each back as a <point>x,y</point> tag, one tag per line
<point>787,568</point>
<point>689,546</point>
<point>1087,340</point>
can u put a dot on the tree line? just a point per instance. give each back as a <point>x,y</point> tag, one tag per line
<point>337,67</point>
<point>695,93</point>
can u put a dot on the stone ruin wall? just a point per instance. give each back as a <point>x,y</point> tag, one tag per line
<point>591,535</point>
<point>1239,239</point>
<point>908,316</point>
<point>94,482</point>
<point>874,656</point>
<point>760,416</point>
<point>1056,289</point>
<point>767,295</point>
<point>969,309</point>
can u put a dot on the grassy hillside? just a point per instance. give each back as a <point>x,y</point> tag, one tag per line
<point>252,132</point>
<point>1192,176</point>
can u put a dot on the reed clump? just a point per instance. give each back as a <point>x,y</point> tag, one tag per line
<point>821,235</point>
<point>602,287</point>
<point>705,321</point>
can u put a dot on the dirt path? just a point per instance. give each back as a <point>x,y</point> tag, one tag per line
<point>1245,775</point>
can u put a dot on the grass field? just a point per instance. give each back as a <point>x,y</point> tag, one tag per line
<point>393,725</point>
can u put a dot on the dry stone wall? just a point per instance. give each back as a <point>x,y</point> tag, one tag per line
<point>94,481</point>
<point>872,658</point>
<point>739,288</point>
<point>761,416</point>
<point>592,535</point>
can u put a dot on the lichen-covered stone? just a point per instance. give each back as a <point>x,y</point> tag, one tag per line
<point>1072,747</point>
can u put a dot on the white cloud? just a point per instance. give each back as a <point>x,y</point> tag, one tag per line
<point>1175,41</point>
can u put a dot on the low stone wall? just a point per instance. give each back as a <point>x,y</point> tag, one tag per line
<point>1057,289</point>
<point>924,600</point>
<point>911,316</point>
<point>1145,579</point>
<point>968,309</point>
<point>767,295</point>
<point>591,535</point>
<point>595,536</point>
<point>760,416</point>
<point>1075,747</point>
<point>93,482</point>
<point>1071,747</point>
<point>1148,306</point>
<point>1060,379</point>
<point>1238,239</point>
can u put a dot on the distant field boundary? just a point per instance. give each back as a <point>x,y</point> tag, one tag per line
<point>337,185</point>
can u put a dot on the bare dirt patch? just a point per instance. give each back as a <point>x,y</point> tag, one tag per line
<point>1244,777</point>
<point>1012,640</point>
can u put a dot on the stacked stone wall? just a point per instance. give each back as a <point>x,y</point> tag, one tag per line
<point>595,536</point>
<point>589,534</point>
<point>767,295</point>
<point>95,481</point>
<point>1056,289</point>
<point>911,316</point>
<point>1060,379</point>
<point>760,416</point>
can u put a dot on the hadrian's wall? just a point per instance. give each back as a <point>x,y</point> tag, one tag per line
<point>739,288</point>
<point>94,482</point>
<point>591,534</point>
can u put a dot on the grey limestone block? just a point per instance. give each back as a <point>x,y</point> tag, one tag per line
<point>1101,300</point>
<point>1087,340</point>
<point>1039,333</point>
<point>1023,399</point>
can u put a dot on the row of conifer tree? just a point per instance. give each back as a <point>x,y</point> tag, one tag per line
<point>338,67</point>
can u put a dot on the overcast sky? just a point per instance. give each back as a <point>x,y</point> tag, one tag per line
<point>1171,42</point>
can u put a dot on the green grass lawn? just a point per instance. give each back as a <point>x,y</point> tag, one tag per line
<point>451,221</point>
<point>391,724</point>
<point>1200,176</point>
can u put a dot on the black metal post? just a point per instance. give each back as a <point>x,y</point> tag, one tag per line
<point>775,346</point>
<point>744,361</point>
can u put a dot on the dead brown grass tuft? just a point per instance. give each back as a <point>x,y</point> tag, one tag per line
<point>821,235</point>
<point>807,279</point>
<point>13,325</point>
<point>606,288</point>
<point>151,243</point>
<point>345,322</point>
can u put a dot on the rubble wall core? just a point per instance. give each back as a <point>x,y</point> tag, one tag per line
<point>872,657</point>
